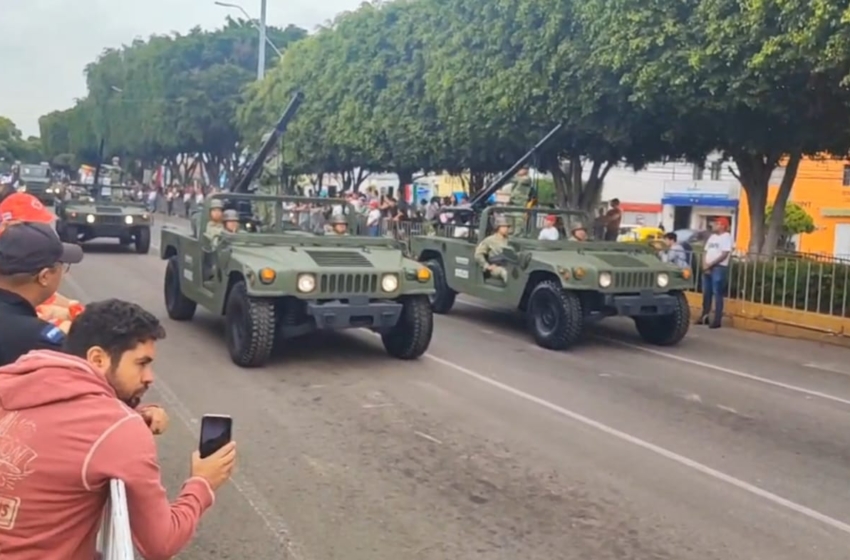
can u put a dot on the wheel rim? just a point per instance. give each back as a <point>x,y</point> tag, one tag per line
<point>544,310</point>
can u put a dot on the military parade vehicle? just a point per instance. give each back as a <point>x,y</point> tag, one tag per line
<point>562,285</point>
<point>282,274</point>
<point>96,211</point>
<point>36,179</point>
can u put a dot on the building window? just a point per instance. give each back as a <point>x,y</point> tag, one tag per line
<point>846,179</point>
<point>716,170</point>
<point>699,171</point>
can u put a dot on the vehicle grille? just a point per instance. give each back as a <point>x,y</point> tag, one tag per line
<point>107,210</point>
<point>109,220</point>
<point>339,258</point>
<point>635,280</point>
<point>348,283</point>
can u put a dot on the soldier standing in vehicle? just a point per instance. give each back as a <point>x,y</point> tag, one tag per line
<point>578,232</point>
<point>521,190</point>
<point>492,246</point>
<point>215,226</point>
<point>339,225</point>
<point>231,221</point>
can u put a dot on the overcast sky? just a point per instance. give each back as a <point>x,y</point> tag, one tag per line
<point>45,44</point>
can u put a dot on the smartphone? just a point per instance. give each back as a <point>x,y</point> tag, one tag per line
<point>216,432</point>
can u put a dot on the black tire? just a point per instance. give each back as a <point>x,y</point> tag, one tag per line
<point>250,327</point>
<point>411,336</point>
<point>444,297</point>
<point>143,241</point>
<point>179,307</point>
<point>554,316</point>
<point>666,330</point>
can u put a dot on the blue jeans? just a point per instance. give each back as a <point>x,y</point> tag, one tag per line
<point>714,286</point>
<point>375,231</point>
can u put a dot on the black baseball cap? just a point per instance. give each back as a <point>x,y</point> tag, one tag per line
<point>29,247</point>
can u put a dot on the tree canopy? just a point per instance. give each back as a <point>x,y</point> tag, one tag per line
<point>14,147</point>
<point>413,86</point>
<point>165,100</point>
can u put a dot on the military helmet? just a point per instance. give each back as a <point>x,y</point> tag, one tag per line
<point>216,204</point>
<point>338,219</point>
<point>501,221</point>
<point>577,226</point>
<point>231,216</point>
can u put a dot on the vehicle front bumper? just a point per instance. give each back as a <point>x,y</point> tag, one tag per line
<point>643,304</point>
<point>107,230</point>
<point>354,313</point>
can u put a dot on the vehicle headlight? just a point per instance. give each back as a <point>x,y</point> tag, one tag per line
<point>389,283</point>
<point>49,191</point>
<point>306,283</point>
<point>605,280</point>
<point>145,216</point>
<point>22,189</point>
<point>128,220</point>
<point>90,218</point>
<point>662,280</point>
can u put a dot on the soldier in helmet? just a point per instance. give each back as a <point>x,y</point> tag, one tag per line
<point>231,221</point>
<point>492,246</point>
<point>339,225</point>
<point>521,190</point>
<point>215,226</point>
<point>578,232</point>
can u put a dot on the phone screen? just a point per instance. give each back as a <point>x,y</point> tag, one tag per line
<point>216,432</point>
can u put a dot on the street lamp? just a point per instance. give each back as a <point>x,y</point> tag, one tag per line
<point>261,27</point>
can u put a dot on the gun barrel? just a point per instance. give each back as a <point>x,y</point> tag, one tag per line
<point>255,166</point>
<point>481,197</point>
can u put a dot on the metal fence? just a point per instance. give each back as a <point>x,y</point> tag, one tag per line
<point>809,282</point>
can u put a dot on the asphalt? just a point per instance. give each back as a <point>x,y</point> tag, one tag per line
<point>730,446</point>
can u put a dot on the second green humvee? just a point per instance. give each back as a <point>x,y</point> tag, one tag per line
<point>560,285</point>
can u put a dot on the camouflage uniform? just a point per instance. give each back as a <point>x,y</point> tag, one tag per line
<point>491,246</point>
<point>521,191</point>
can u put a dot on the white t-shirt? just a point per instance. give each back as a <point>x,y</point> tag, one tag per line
<point>549,234</point>
<point>374,217</point>
<point>716,245</point>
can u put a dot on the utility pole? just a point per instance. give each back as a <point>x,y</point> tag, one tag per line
<point>261,58</point>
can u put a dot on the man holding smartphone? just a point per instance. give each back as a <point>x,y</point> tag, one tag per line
<point>68,419</point>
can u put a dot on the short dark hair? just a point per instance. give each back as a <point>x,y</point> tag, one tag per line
<point>671,236</point>
<point>115,325</point>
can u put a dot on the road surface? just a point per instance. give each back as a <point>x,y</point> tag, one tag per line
<point>731,446</point>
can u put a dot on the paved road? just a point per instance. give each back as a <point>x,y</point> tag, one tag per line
<point>731,446</point>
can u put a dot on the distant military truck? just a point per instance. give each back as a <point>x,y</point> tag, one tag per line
<point>285,273</point>
<point>36,179</point>
<point>104,211</point>
<point>562,285</point>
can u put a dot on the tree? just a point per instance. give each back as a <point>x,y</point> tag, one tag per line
<point>796,221</point>
<point>14,147</point>
<point>733,81</point>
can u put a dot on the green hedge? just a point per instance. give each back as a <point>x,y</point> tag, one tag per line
<point>786,281</point>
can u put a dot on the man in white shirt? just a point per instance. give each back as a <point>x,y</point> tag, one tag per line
<point>549,232</point>
<point>715,272</point>
<point>373,219</point>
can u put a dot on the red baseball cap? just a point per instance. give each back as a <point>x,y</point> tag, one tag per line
<point>24,207</point>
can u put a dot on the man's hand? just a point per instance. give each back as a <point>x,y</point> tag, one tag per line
<point>155,417</point>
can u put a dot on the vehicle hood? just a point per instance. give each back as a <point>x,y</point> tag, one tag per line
<point>293,257</point>
<point>599,259</point>
<point>105,208</point>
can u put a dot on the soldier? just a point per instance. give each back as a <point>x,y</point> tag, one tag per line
<point>521,189</point>
<point>215,225</point>
<point>578,232</point>
<point>492,246</point>
<point>231,221</point>
<point>339,225</point>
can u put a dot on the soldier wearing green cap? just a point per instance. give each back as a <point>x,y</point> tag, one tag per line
<point>492,246</point>
<point>339,225</point>
<point>231,221</point>
<point>215,226</point>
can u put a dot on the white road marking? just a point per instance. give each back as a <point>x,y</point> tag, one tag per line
<point>432,439</point>
<point>827,367</point>
<point>707,365</point>
<point>733,372</point>
<point>651,447</point>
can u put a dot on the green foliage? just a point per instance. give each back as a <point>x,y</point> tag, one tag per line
<point>165,99</point>
<point>796,220</point>
<point>14,147</point>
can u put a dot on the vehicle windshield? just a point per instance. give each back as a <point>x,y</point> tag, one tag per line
<point>34,171</point>
<point>537,223</point>
<point>291,215</point>
<point>115,194</point>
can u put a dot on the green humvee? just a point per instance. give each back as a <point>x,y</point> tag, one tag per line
<point>37,181</point>
<point>104,211</point>
<point>282,275</point>
<point>560,285</point>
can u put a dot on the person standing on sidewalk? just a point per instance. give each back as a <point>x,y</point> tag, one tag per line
<point>715,272</point>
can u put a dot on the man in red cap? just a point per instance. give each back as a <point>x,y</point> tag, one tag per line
<point>715,272</point>
<point>24,207</point>
<point>549,232</point>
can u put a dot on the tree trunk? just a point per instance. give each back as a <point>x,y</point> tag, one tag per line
<point>362,175</point>
<point>754,171</point>
<point>776,224</point>
<point>405,182</point>
<point>571,190</point>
